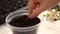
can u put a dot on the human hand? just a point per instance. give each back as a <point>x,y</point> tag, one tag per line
<point>35,7</point>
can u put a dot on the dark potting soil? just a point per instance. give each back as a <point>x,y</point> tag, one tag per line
<point>24,21</point>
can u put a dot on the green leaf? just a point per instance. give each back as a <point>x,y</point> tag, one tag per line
<point>56,9</point>
<point>47,15</point>
<point>44,15</point>
<point>58,18</point>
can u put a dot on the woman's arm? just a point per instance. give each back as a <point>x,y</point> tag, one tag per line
<point>45,4</point>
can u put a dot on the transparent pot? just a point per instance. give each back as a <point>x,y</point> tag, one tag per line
<point>21,30</point>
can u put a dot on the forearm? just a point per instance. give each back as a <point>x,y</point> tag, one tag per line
<point>47,4</point>
<point>44,5</point>
<point>59,0</point>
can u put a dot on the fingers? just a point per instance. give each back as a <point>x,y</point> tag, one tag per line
<point>31,7</point>
<point>44,5</point>
<point>58,1</point>
<point>35,13</point>
<point>37,5</point>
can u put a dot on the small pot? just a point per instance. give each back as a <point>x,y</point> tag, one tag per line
<point>21,30</point>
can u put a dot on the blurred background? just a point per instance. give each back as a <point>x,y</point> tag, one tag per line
<point>9,6</point>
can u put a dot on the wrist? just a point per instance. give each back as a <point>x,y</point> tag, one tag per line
<point>58,1</point>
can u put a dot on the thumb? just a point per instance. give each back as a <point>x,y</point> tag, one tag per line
<point>43,7</point>
<point>35,13</point>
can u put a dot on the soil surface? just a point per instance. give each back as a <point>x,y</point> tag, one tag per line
<point>24,21</point>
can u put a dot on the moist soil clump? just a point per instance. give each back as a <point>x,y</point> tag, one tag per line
<point>24,21</point>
